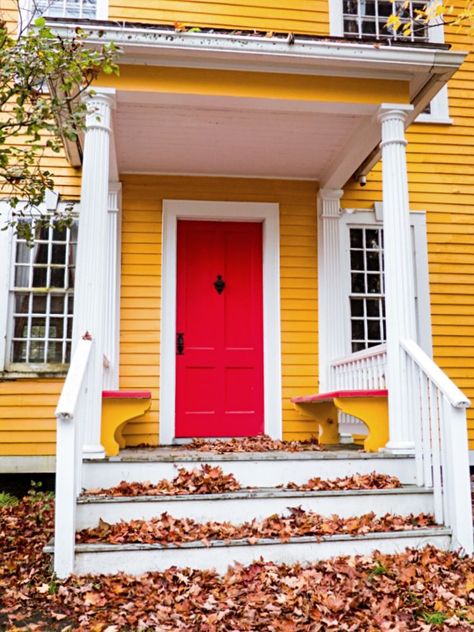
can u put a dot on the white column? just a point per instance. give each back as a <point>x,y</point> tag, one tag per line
<point>91,266</point>
<point>112,288</point>
<point>331,296</point>
<point>399,272</point>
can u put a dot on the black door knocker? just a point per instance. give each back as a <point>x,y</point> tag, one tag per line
<point>219,284</point>
<point>180,344</point>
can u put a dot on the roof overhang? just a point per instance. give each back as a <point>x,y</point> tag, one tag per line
<point>425,68</point>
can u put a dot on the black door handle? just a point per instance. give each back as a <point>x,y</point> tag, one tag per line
<point>180,344</point>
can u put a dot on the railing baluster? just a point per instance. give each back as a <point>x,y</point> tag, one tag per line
<point>435,450</point>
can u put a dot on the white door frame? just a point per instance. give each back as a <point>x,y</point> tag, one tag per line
<point>269,215</point>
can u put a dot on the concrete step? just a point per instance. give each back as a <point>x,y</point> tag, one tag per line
<point>264,469</point>
<point>255,503</point>
<point>136,559</point>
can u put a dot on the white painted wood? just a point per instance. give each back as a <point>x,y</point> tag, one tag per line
<point>361,370</point>
<point>231,211</point>
<point>281,138</point>
<point>441,442</point>
<point>102,12</point>
<point>27,464</point>
<point>399,271</point>
<point>112,288</point>
<point>69,433</point>
<point>6,240</point>
<point>331,297</point>
<point>91,266</point>
<point>258,471</point>
<point>139,559</point>
<point>258,504</point>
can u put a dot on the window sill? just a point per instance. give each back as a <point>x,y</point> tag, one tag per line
<point>32,375</point>
<point>434,120</point>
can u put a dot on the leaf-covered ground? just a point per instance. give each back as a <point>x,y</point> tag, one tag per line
<point>417,590</point>
<point>208,479</point>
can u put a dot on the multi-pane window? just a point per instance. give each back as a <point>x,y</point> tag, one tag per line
<point>367,303</point>
<point>42,298</point>
<point>368,19</point>
<point>66,8</point>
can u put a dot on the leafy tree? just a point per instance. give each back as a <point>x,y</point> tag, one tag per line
<point>42,78</point>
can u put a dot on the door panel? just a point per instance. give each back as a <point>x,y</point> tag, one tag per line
<point>219,376</point>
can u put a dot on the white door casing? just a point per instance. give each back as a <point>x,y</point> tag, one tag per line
<point>269,215</point>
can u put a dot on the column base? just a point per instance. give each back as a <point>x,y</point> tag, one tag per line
<point>399,447</point>
<point>93,452</point>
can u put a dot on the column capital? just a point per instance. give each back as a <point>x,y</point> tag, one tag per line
<point>329,203</point>
<point>100,103</point>
<point>394,111</point>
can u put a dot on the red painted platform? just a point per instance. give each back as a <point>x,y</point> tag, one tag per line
<point>126,395</point>
<point>326,397</point>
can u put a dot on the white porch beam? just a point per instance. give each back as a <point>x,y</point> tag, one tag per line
<point>92,254</point>
<point>330,299</point>
<point>399,273</point>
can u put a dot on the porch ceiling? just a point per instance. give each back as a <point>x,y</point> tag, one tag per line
<point>233,137</point>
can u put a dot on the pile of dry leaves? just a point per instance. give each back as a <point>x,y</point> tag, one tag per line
<point>262,443</point>
<point>204,480</point>
<point>166,529</point>
<point>357,481</point>
<point>417,590</point>
<point>209,479</point>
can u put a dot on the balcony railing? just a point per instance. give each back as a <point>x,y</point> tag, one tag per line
<point>368,19</point>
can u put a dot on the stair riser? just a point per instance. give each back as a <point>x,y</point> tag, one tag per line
<point>136,562</point>
<point>242,509</point>
<point>254,472</point>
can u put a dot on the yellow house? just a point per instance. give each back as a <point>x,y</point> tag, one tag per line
<point>274,200</point>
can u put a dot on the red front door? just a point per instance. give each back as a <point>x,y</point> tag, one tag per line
<point>219,325</point>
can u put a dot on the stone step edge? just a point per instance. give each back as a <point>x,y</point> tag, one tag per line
<point>204,457</point>
<point>261,492</point>
<point>374,535</point>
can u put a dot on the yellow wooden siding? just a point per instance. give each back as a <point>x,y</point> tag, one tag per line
<point>141,280</point>
<point>297,16</point>
<point>27,424</point>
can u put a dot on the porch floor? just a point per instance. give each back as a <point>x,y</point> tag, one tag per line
<point>177,454</point>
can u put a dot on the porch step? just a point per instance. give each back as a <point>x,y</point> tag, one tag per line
<point>136,559</point>
<point>251,469</point>
<point>254,503</point>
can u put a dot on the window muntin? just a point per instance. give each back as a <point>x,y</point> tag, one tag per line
<point>368,19</point>
<point>42,299</point>
<point>66,8</point>
<point>367,293</point>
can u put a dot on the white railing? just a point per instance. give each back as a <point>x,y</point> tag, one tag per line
<point>69,440</point>
<point>438,409</point>
<point>360,371</point>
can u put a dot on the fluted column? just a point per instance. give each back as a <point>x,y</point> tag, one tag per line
<point>91,266</point>
<point>399,271</point>
<point>331,306</point>
<point>112,288</point>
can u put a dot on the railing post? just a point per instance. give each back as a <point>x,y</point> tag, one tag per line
<point>65,497</point>
<point>456,478</point>
<point>399,273</point>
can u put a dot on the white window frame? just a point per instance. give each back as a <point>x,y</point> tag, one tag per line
<point>439,105</point>
<point>360,218</point>
<point>26,9</point>
<point>7,267</point>
<point>269,215</point>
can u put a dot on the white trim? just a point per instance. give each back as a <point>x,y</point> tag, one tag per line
<point>439,110</point>
<point>471,458</point>
<point>102,11</point>
<point>27,464</point>
<point>354,217</point>
<point>6,240</point>
<point>269,214</point>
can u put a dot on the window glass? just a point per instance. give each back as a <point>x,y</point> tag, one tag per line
<point>42,298</point>
<point>66,8</point>
<point>367,302</point>
<point>368,19</point>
